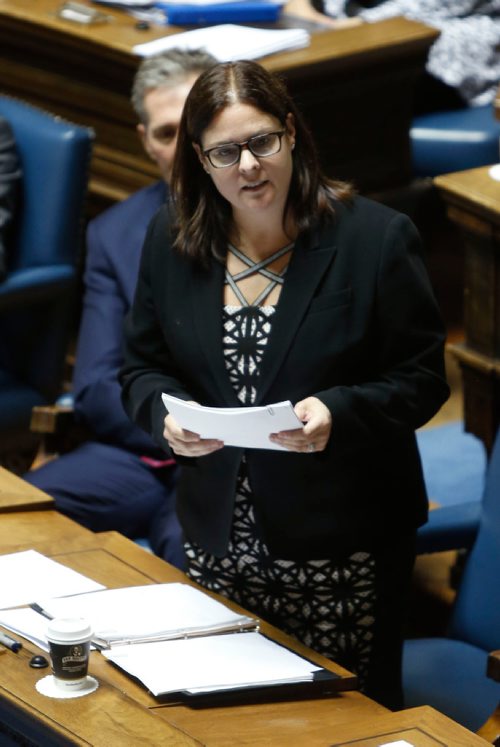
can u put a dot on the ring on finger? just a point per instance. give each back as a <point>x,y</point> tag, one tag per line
<point>310,447</point>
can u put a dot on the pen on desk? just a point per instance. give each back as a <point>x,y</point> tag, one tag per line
<point>9,642</point>
<point>36,608</point>
<point>40,610</point>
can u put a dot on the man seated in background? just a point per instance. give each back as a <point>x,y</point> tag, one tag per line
<point>10,176</point>
<point>120,480</point>
<point>463,63</point>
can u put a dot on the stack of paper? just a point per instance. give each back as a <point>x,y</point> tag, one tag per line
<point>247,427</point>
<point>203,665</point>
<point>228,42</point>
<point>173,637</point>
<point>149,613</point>
<point>126,3</point>
<point>27,623</point>
<point>27,575</point>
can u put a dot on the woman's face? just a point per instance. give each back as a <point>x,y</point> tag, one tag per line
<point>253,183</point>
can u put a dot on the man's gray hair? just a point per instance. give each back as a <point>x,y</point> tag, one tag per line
<point>167,69</point>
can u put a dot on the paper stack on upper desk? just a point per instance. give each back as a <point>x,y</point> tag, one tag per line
<point>228,42</point>
<point>247,427</point>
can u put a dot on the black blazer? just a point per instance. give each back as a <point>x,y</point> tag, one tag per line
<point>356,326</point>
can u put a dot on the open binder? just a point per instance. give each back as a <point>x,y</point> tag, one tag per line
<point>220,665</point>
<point>152,613</point>
<point>179,641</point>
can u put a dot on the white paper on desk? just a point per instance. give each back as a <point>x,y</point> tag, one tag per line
<point>28,575</point>
<point>212,663</point>
<point>228,42</point>
<point>202,3</point>
<point>126,3</point>
<point>397,743</point>
<point>247,427</point>
<point>155,611</point>
<point>27,623</point>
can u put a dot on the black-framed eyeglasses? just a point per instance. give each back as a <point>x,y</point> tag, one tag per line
<point>260,146</point>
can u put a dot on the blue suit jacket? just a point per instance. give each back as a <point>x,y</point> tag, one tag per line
<point>114,243</point>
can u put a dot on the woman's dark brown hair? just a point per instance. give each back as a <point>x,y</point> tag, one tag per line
<point>203,217</point>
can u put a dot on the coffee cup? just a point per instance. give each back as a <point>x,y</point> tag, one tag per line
<point>69,646</point>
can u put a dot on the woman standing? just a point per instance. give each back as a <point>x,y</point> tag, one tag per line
<point>272,282</point>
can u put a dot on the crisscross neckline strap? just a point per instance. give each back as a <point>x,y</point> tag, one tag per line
<point>261,267</point>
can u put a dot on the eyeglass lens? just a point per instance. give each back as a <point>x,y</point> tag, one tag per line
<point>260,146</point>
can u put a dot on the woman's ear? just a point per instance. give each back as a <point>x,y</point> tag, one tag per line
<point>290,128</point>
<point>200,155</point>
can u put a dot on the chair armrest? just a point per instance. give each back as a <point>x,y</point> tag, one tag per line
<point>54,420</point>
<point>59,431</point>
<point>449,528</point>
<point>490,730</point>
<point>493,667</point>
<point>35,284</point>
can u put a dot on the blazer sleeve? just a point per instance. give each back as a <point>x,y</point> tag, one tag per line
<point>149,367</point>
<point>407,385</point>
<point>100,352</point>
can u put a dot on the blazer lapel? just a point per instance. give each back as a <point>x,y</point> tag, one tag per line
<point>207,315</point>
<point>310,261</point>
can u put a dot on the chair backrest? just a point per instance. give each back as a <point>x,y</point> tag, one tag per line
<point>37,298</point>
<point>55,157</point>
<point>476,614</point>
<point>454,140</point>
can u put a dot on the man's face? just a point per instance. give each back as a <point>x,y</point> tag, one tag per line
<point>159,136</point>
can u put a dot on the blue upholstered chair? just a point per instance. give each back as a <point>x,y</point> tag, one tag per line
<point>37,296</point>
<point>454,464</point>
<point>450,528</point>
<point>450,673</point>
<point>454,140</point>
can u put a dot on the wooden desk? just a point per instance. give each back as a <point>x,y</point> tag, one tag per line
<point>355,87</point>
<point>473,204</point>
<point>421,727</point>
<point>121,712</point>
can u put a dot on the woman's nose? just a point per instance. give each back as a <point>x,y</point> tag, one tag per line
<point>247,159</point>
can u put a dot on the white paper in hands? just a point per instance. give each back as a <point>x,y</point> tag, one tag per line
<point>247,427</point>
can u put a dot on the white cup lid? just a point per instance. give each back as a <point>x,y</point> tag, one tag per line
<point>67,629</point>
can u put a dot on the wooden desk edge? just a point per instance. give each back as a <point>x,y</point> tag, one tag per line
<point>472,190</point>
<point>392,726</point>
<point>18,495</point>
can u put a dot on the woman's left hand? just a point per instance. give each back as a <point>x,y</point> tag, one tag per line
<point>314,436</point>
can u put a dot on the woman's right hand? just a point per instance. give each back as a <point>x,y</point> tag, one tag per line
<point>187,443</point>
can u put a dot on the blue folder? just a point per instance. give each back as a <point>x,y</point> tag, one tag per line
<point>243,11</point>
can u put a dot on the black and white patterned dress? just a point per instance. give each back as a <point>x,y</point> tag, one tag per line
<point>326,604</point>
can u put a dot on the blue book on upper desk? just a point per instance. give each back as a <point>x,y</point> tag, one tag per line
<point>242,11</point>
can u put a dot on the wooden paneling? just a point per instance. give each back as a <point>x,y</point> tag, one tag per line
<point>473,204</point>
